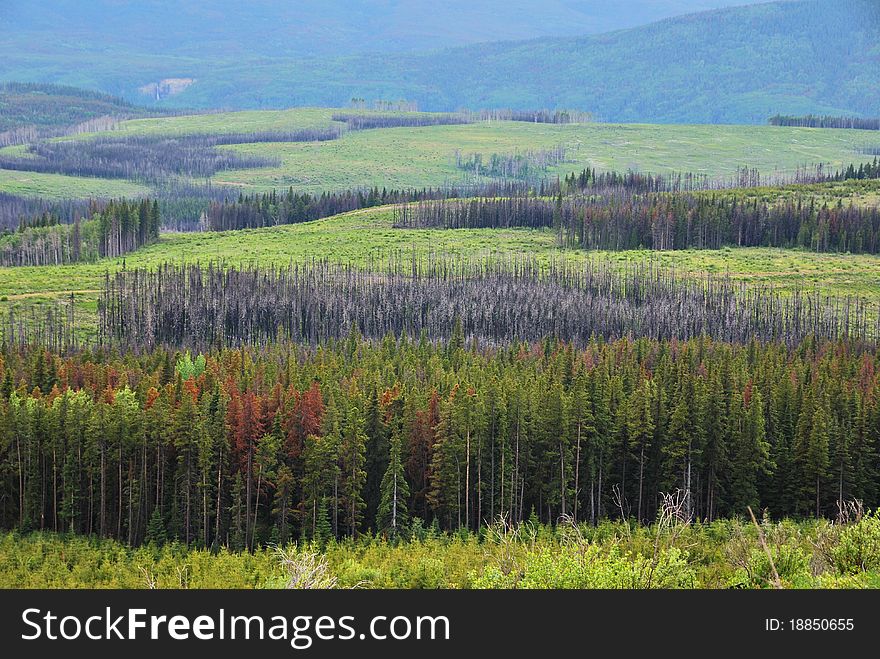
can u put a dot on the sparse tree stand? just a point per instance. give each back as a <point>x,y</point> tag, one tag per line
<point>112,229</point>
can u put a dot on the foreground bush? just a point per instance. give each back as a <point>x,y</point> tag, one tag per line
<point>677,554</point>
<point>593,568</point>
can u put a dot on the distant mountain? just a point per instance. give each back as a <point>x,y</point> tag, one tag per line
<point>218,29</point>
<point>738,64</point>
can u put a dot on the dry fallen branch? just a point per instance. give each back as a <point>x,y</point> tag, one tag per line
<point>306,570</point>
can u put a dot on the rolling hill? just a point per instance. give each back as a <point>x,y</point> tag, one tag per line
<point>368,235</point>
<point>46,106</point>
<point>403,157</point>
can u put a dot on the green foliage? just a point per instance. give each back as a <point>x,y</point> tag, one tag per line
<point>393,514</point>
<point>593,567</point>
<point>402,158</point>
<point>60,186</point>
<point>423,157</point>
<point>363,235</point>
<point>117,228</point>
<point>58,106</point>
<point>190,368</point>
<point>858,548</point>
<point>156,534</point>
<point>283,441</point>
<point>724,554</point>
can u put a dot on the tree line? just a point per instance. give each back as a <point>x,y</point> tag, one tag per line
<point>662,221</point>
<point>251,211</point>
<point>383,105</point>
<point>113,229</point>
<point>528,165</point>
<point>270,209</point>
<point>147,158</point>
<point>825,121</point>
<point>542,116</point>
<point>489,301</point>
<point>244,447</point>
<point>15,209</point>
<point>369,121</point>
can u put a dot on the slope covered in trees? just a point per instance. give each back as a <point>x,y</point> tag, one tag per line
<point>615,218</point>
<point>28,111</point>
<point>325,27</point>
<point>743,64</point>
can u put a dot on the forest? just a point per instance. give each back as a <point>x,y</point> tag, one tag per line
<point>322,56</point>
<point>32,110</point>
<point>112,229</point>
<point>151,159</point>
<point>240,447</point>
<point>520,177</point>
<point>620,220</point>
<point>485,301</point>
<point>542,116</point>
<point>14,210</point>
<point>367,121</point>
<point>253,211</point>
<point>337,297</point>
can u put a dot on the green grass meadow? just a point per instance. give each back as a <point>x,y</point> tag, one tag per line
<point>366,236</point>
<point>424,156</point>
<point>60,186</point>
<point>404,157</point>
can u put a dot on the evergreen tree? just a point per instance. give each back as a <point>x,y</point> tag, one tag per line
<point>156,529</point>
<point>640,431</point>
<point>393,515</point>
<point>352,457</point>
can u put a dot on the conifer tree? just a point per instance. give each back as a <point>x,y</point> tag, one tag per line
<point>352,457</point>
<point>156,529</point>
<point>814,452</point>
<point>640,431</point>
<point>393,513</point>
<point>750,456</point>
<point>282,507</point>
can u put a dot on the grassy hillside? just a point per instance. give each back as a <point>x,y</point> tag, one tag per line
<point>738,64</point>
<point>364,236</point>
<point>228,122</point>
<point>57,186</point>
<point>425,156</point>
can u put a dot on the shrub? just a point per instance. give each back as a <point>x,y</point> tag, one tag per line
<point>858,548</point>
<point>591,567</point>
